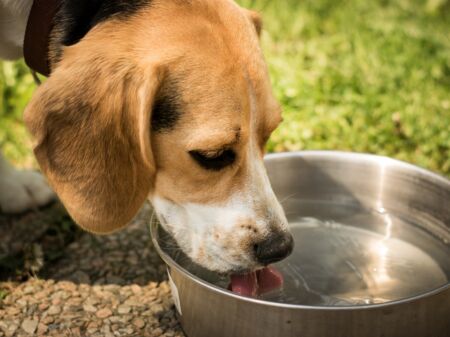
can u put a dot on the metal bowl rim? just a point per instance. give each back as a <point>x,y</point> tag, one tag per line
<point>364,156</point>
<point>346,155</point>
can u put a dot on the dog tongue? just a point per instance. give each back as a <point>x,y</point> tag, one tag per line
<point>269,279</point>
<point>256,283</point>
<point>244,284</point>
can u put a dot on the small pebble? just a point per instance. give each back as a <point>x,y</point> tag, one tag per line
<point>157,332</point>
<point>54,310</point>
<point>48,320</point>
<point>136,289</point>
<point>103,313</point>
<point>123,309</point>
<point>42,329</point>
<point>89,308</point>
<point>43,306</point>
<point>139,323</point>
<point>29,326</point>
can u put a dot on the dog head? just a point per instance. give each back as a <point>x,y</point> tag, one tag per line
<point>173,104</point>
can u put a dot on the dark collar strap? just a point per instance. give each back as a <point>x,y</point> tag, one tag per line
<point>37,35</point>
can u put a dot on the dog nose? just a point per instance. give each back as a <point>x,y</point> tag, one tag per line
<point>274,248</point>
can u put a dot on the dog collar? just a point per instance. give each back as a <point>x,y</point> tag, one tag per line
<point>37,35</point>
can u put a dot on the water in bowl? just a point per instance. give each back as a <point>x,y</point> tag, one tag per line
<point>335,264</point>
<point>366,257</point>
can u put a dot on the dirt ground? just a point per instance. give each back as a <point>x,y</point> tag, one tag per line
<point>56,280</point>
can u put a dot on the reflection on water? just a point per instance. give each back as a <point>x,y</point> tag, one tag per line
<point>339,265</point>
<point>334,264</point>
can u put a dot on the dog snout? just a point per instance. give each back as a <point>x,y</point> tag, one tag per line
<point>274,248</point>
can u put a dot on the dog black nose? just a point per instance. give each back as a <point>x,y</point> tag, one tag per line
<point>274,248</point>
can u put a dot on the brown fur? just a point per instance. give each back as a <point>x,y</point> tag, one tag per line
<point>91,119</point>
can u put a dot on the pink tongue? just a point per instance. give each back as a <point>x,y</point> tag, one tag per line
<point>269,279</point>
<point>244,284</point>
<point>256,283</point>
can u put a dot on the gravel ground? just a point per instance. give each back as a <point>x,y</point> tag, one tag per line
<point>56,280</point>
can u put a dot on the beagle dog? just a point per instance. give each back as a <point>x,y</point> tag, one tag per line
<point>165,100</point>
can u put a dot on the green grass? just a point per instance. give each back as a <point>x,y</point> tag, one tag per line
<point>16,89</point>
<point>3,294</point>
<point>355,75</point>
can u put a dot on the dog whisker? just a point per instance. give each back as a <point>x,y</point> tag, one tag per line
<point>287,198</point>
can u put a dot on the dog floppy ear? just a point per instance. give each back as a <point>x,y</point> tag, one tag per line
<point>91,124</point>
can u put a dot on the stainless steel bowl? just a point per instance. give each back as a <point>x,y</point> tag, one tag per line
<point>372,256</point>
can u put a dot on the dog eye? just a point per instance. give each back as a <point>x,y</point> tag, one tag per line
<point>214,160</point>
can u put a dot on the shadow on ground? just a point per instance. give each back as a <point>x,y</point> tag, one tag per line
<point>47,244</point>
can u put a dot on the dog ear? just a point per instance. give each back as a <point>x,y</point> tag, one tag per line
<point>256,18</point>
<point>91,125</point>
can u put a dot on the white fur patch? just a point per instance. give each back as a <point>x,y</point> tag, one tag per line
<point>195,228</point>
<point>22,190</point>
